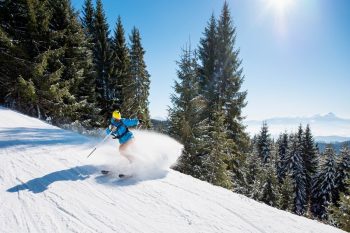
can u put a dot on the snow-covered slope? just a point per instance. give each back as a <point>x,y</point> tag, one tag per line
<point>48,185</point>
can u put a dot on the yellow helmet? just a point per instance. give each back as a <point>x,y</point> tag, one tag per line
<point>116,114</point>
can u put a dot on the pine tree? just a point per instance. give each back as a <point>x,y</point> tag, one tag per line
<point>270,192</point>
<point>79,60</point>
<point>323,185</point>
<point>282,155</point>
<point>250,169</point>
<point>264,144</point>
<point>51,75</point>
<point>340,213</point>
<point>184,114</point>
<point>310,158</point>
<point>297,170</point>
<point>121,71</point>
<point>51,46</point>
<point>208,56</point>
<point>216,151</point>
<point>88,25</point>
<point>220,69</point>
<point>18,34</point>
<point>103,61</point>
<point>230,78</point>
<point>254,174</point>
<point>342,172</point>
<point>286,193</point>
<point>76,79</point>
<point>136,95</point>
<point>12,66</point>
<point>261,177</point>
<point>87,20</point>
<point>230,98</point>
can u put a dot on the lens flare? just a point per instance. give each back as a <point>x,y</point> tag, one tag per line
<point>280,6</point>
<point>280,10</point>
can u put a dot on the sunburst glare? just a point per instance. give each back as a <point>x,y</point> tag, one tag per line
<point>280,10</point>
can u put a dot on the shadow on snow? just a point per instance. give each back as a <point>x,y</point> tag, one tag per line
<point>41,184</point>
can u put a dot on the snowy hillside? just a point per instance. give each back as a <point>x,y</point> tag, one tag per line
<point>48,185</point>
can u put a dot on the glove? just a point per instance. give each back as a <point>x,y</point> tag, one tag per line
<point>111,128</point>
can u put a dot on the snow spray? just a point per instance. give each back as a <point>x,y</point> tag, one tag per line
<point>153,154</point>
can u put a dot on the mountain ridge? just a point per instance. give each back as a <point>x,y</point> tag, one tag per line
<point>328,127</point>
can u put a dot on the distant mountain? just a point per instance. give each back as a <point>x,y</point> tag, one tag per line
<point>336,145</point>
<point>326,128</point>
<point>330,139</point>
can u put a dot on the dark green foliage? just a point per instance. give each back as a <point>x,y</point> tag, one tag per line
<point>135,103</point>
<point>56,68</point>
<point>340,213</point>
<point>261,177</point>
<point>87,20</point>
<point>250,169</point>
<point>217,150</point>
<point>220,148</point>
<point>283,147</point>
<point>260,170</point>
<point>269,193</point>
<point>296,155</point>
<point>88,25</point>
<point>50,57</point>
<point>231,99</point>
<point>253,175</point>
<point>323,185</point>
<point>78,65</point>
<point>310,157</point>
<point>18,30</point>
<point>297,171</point>
<point>184,115</point>
<point>286,194</point>
<point>342,172</point>
<point>102,54</point>
<point>121,80</point>
<point>220,80</point>
<point>264,144</point>
<point>207,53</point>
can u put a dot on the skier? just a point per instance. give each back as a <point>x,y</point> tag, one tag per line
<point>119,130</point>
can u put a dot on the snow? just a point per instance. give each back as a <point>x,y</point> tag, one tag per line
<point>48,185</point>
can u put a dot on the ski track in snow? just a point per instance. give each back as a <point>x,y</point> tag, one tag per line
<point>48,185</point>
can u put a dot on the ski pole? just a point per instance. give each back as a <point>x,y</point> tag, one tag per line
<point>100,143</point>
<point>140,117</point>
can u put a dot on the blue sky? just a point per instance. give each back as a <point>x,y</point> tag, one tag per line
<point>296,53</point>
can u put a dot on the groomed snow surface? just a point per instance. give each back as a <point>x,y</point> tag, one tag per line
<point>48,185</point>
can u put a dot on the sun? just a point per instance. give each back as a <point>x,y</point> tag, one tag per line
<point>280,11</point>
<point>280,7</point>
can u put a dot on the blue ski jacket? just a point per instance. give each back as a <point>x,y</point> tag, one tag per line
<point>121,130</point>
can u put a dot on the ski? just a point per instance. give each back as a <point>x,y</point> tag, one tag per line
<point>121,176</point>
<point>105,172</point>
